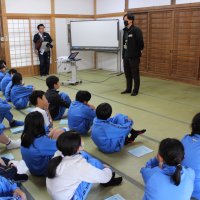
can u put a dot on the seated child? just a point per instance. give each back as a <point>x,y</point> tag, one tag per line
<point>19,93</point>
<point>2,70</point>
<point>10,144</point>
<point>164,176</point>
<point>9,171</point>
<point>38,99</point>
<point>72,171</point>
<point>81,113</point>
<point>5,113</point>
<point>110,134</point>
<point>10,190</point>
<point>7,91</point>
<point>58,102</point>
<point>191,143</point>
<point>36,147</point>
<point>6,79</point>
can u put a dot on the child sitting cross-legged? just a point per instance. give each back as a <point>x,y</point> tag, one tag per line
<point>72,171</point>
<point>81,113</point>
<point>110,134</point>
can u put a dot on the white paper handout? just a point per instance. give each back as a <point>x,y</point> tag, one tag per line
<point>115,197</point>
<point>17,129</point>
<point>9,156</point>
<point>140,151</point>
<point>63,122</point>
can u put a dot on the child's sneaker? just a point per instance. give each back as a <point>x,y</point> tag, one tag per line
<point>15,123</point>
<point>13,144</point>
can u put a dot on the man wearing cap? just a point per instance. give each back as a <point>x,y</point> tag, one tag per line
<point>133,45</point>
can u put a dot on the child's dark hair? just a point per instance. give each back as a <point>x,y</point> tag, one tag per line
<point>68,143</point>
<point>33,128</point>
<point>12,71</point>
<point>51,80</point>
<point>195,125</point>
<point>35,95</point>
<point>104,111</point>
<point>172,152</point>
<point>39,25</point>
<point>83,96</point>
<point>16,79</point>
<point>2,62</point>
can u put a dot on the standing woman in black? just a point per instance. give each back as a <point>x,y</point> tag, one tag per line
<point>42,51</point>
<point>133,45</point>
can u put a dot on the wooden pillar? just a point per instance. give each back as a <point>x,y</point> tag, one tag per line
<point>53,35</point>
<point>95,8</point>
<point>126,5</point>
<point>173,2</point>
<point>2,49</point>
<point>95,53</point>
<point>4,46</point>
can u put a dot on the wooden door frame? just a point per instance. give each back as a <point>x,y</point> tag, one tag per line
<point>5,32</point>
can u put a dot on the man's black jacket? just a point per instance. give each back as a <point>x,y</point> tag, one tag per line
<point>135,42</point>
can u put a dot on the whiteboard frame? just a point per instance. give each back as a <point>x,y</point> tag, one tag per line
<point>97,48</point>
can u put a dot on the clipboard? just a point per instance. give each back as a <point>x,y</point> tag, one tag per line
<point>44,47</point>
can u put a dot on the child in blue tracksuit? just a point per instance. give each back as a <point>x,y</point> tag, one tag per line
<point>110,134</point>
<point>2,70</point>
<point>36,147</point>
<point>5,113</point>
<point>72,171</point>
<point>191,144</point>
<point>6,79</point>
<point>7,91</point>
<point>81,113</point>
<point>10,190</point>
<point>19,94</point>
<point>164,176</point>
<point>58,102</point>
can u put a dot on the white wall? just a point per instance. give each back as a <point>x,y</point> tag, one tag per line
<point>110,6</point>
<point>147,3</point>
<point>74,7</point>
<point>28,6</point>
<point>63,47</point>
<point>108,61</point>
<point>187,1</point>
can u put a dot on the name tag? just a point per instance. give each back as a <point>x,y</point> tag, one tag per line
<point>45,36</point>
<point>131,35</point>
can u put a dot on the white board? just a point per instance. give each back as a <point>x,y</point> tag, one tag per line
<point>95,34</point>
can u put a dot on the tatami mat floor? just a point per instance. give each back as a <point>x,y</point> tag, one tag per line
<point>165,108</point>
